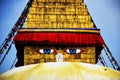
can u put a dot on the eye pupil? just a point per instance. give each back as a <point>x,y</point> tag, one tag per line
<point>72,51</point>
<point>47,51</point>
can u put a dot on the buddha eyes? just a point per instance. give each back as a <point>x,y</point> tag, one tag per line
<point>73,51</point>
<point>69,51</point>
<point>46,51</point>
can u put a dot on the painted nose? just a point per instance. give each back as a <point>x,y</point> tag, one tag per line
<point>59,57</point>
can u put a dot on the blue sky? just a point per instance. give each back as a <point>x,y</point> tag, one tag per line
<point>105,13</point>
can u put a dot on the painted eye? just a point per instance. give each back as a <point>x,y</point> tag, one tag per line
<point>46,51</point>
<point>73,51</point>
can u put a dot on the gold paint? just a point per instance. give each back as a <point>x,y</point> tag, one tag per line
<point>58,14</point>
<point>58,30</point>
<point>61,71</point>
<point>33,57</point>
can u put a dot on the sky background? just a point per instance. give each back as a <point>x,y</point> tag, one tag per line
<point>105,13</point>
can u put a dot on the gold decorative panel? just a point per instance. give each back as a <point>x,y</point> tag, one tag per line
<point>58,14</point>
<point>33,56</point>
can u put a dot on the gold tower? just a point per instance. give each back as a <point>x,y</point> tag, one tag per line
<point>58,26</point>
<point>59,14</point>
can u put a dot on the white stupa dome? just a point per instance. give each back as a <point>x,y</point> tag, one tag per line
<point>61,71</point>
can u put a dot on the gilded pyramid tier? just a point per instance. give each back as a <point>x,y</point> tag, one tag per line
<point>58,30</point>
<point>58,14</point>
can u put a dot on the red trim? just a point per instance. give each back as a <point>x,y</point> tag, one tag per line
<point>74,39</point>
<point>66,38</point>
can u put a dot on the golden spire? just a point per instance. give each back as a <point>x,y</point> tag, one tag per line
<point>59,14</point>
